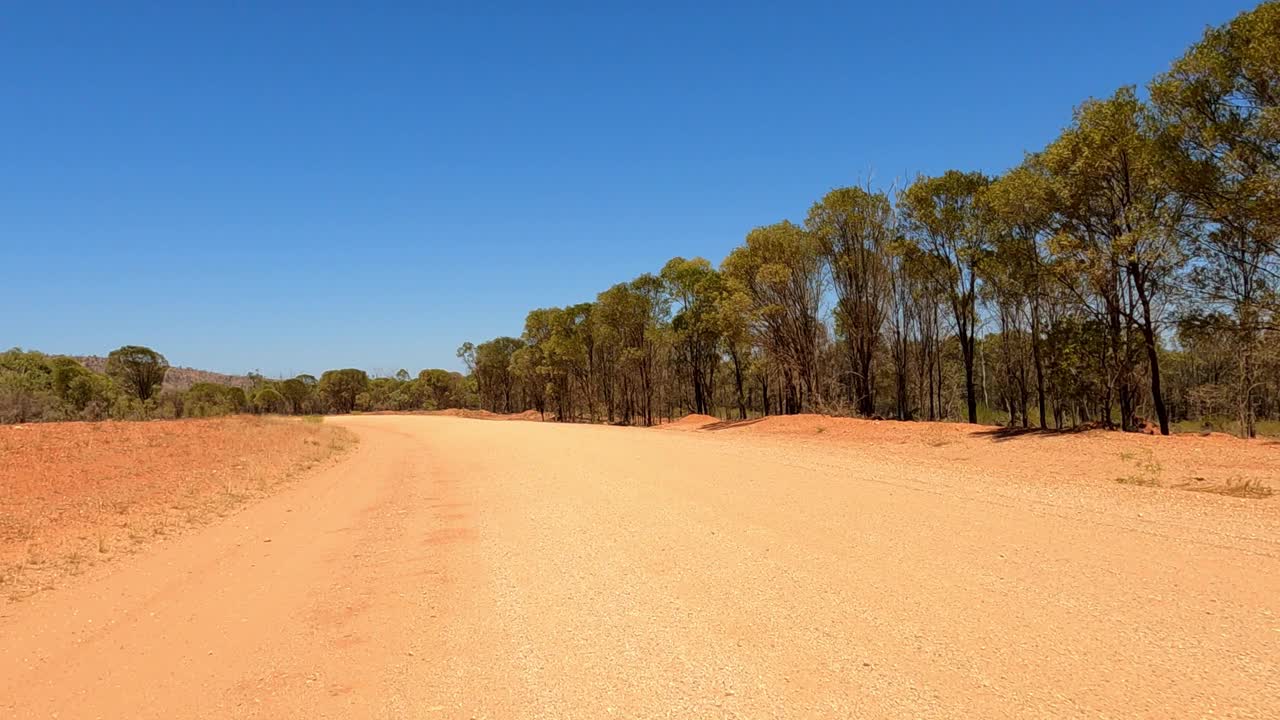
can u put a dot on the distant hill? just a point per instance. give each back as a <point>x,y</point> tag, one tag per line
<point>178,378</point>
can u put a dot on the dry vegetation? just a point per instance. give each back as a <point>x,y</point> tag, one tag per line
<point>74,495</point>
<point>177,378</point>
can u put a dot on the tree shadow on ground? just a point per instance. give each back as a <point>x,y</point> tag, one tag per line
<point>1005,434</point>
<point>730,424</point>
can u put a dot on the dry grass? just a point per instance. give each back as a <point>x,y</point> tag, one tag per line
<point>1139,480</point>
<point>1148,472</point>
<point>77,494</point>
<point>1234,487</point>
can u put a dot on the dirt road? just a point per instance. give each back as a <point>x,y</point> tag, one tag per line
<point>454,568</point>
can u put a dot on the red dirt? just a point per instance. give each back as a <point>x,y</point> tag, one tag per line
<point>76,494</point>
<point>693,422</point>
<point>458,569</point>
<point>527,415</point>
<point>1210,463</point>
<point>465,413</point>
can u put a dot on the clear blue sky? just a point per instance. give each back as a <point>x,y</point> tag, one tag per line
<point>298,186</point>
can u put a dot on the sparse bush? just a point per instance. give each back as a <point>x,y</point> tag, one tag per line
<point>90,389</point>
<point>126,407</point>
<point>1147,470</point>
<point>26,388</point>
<point>269,400</point>
<point>169,404</point>
<point>299,394</point>
<point>212,399</point>
<point>341,388</point>
<point>19,402</point>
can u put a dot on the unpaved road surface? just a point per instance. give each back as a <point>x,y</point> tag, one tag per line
<point>453,568</point>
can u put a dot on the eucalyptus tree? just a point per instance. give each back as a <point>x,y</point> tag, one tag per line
<point>572,347</point>
<point>440,389</point>
<point>297,393</point>
<point>621,334</point>
<point>550,370</point>
<point>339,388</point>
<point>1079,257</point>
<point>853,228</point>
<point>491,368</point>
<point>1218,109</point>
<point>733,320</point>
<point>526,368</point>
<point>1020,206</point>
<point>780,268</point>
<point>139,370</point>
<point>1120,216</point>
<point>694,287</point>
<point>942,215</point>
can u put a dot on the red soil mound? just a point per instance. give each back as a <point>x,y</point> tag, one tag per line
<point>693,422</point>
<point>532,415</point>
<point>465,413</point>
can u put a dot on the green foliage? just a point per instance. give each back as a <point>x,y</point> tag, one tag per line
<point>855,228</point>
<point>1050,290</point>
<point>1219,147</point>
<point>340,388</point>
<point>696,289</point>
<point>137,370</point>
<point>440,389</point>
<point>299,394</point>
<point>779,268</point>
<point>91,395</point>
<point>35,387</point>
<point>212,399</point>
<point>490,366</point>
<point>945,218</point>
<point>269,400</point>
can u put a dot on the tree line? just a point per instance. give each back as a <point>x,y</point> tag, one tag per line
<point>38,387</point>
<point>1123,276</point>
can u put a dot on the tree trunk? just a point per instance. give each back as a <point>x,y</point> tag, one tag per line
<point>764,393</point>
<point>867,392</point>
<point>1037,357</point>
<point>1248,428</point>
<point>933,409</point>
<point>1162,412</point>
<point>695,371</point>
<point>1153,356</point>
<point>900,377</point>
<point>970,390</point>
<point>737,379</point>
<point>937,367</point>
<point>1115,383</point>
